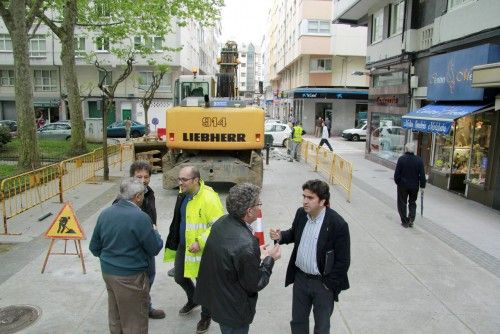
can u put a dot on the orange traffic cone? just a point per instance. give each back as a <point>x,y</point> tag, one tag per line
<point>257,228</point>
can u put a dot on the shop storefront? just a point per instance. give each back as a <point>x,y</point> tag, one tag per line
<point>389,98</point>
<point>463,124</point>
<point>342,106</point>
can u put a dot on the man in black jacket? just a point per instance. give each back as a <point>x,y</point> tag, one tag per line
<point>320,258</point>
<point>231,271</point>
<point>409,175</point>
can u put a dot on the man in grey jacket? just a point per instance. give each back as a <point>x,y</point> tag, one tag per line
<point>231,271</point>
<point>125,240</point>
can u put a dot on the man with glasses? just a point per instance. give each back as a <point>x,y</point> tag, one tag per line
<point>231,270</point>
<point>198,206</point>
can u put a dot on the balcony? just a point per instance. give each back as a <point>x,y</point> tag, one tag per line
<point>352,12</point>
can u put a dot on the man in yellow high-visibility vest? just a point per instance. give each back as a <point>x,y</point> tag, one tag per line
<point>297,133</point>
<point>198,206</point>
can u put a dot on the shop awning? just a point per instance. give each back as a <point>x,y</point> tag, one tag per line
<point>436,118</point>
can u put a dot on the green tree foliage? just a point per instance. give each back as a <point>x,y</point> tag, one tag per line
<point>115,21</point>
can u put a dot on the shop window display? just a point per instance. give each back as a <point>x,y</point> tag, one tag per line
<point>467,160</point>
<point>480,149</point>
<point>387,137</point>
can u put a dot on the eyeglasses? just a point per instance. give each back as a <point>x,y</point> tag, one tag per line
<point>184,179</point>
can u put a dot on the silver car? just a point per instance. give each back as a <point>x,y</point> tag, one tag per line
<point>56,130</point>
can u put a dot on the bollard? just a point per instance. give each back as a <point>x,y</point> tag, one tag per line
<point>257,228</point>
<point>267,154</point>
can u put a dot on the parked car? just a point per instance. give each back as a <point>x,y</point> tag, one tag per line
<point>56,130</point>
<point>11,125</point>
<point>387,138</point>
<point>280,132</point>
<point>117,129</point>
<point>356,133</point>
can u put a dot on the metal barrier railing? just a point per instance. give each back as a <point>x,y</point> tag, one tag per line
<point>333,166</point>
<point>24,191</point>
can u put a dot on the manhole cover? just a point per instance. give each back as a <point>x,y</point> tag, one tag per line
<point>16,317</point>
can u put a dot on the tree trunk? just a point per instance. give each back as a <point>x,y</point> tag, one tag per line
<point>145,106</point>
<point>29,157</point>
<point>107,105</point>
<point>78,143</point>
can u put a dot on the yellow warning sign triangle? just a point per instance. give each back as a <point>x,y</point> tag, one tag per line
<point>66,225</point>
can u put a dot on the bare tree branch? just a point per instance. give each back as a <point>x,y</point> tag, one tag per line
<point>50,23</point>
<point>30,16</point>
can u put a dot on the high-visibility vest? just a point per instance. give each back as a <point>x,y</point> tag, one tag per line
<point>201,212</point>
<point>297,134</point>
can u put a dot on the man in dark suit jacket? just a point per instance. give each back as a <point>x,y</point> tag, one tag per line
<point>320,258</point>
<point>409,176</point>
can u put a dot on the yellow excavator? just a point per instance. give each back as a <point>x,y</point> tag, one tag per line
<point>211,128</point>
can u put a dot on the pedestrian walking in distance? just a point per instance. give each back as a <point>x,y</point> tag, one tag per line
<point>231,271</point>
<point>128,127</point>
<point>409,177</point>
<point>317,128</point>
<point>197,207</point>
<point>320,258</point>
<point>324,137</point>
<point>125,240</point>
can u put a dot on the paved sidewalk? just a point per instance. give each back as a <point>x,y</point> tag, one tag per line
<point>402,280</point>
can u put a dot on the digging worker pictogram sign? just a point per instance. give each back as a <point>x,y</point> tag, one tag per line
<point>66,227</point>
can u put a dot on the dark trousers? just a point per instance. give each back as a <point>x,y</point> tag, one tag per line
<point>325,141</point>
<point>407,197</point>
<point>151,276</point>
<point>307,293</point>
<point>186,283</point>
<point>128,298</point>
<point>229,330</point>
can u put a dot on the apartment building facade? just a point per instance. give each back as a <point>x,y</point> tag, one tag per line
<point>249,71</point>
<point>311,62</point>
<point>199,50</point>
<point>420,61</point>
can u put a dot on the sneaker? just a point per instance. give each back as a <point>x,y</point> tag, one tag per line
<point>405,225</point>
<point>171,272</point>
<point>410,223</point>
<point>186,309</point>
<point>203,325</point>
<point>156,314</point>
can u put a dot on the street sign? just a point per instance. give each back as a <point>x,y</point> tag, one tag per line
<point>155,121</point>
<point>65,225</point>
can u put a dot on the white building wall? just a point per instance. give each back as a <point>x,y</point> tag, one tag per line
<point>348,41</point>
<point>465,20</point>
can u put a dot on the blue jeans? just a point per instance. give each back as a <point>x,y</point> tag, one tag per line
<point>229,330</point>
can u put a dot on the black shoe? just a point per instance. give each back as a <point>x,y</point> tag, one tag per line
<point>405,225</point>
<point>186,309</point>
<point>203,325</point>
<point>410,224</point>
<point>156,314</point>
<point>171,272</point>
